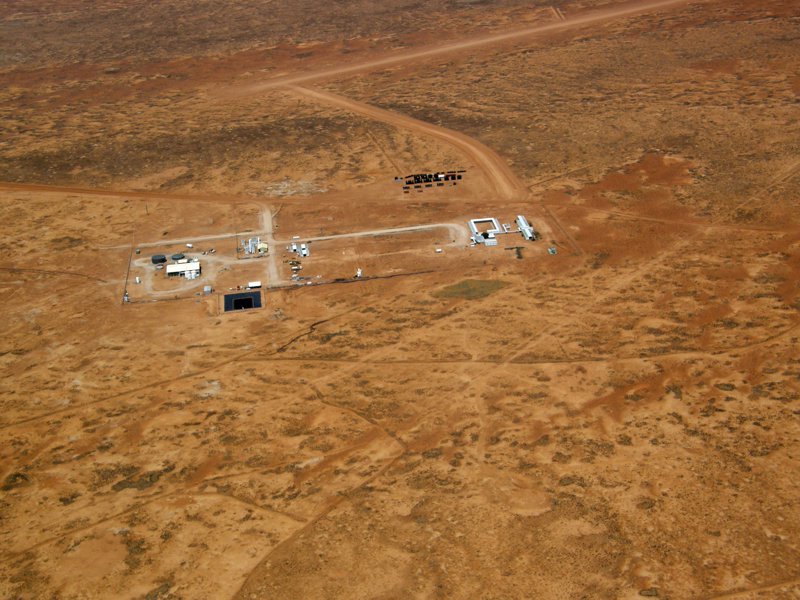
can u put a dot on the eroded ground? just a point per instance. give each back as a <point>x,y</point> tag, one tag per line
<point>618,420</point>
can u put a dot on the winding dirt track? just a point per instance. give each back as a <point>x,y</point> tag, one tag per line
<point>588,18</point>
<point>504,182</point>
<point>10,186</point>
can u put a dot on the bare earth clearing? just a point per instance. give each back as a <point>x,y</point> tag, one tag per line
<point>618,420</point>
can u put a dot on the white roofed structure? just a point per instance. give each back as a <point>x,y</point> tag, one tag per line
<point>184,269</point>
<point>487,237</point>
<point>525,228</point>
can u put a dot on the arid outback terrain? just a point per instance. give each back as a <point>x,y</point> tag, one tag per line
<point>615,420</point>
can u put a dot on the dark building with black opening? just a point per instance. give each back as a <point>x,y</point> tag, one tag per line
<point>242,301</point>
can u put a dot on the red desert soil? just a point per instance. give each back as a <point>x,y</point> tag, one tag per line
<point>609,411</point>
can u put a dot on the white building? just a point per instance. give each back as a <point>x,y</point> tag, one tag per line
<point>488,237</point>
<point>525,228</point>
<point>190,270</point>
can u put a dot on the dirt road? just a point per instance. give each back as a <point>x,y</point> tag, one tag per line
<point>11,186</point>
<point>457,232</point>
<point>273,273</point>
<point>587,18</point>
<point>504,182</point>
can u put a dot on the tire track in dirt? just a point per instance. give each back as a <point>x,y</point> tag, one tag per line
<point>145,502</point>
<point>784,176</point>
<point>186,490</point>
<point>541,182</point>
<point>321,399</point>
<point>686,223</point>
<point>190,375</point>
<point>504,182</point>
<point>593,17</point>
<point>558,14</point>
<point>138,505</point>
<point>398,169</point>
<point>10,186</point>
<point>309,331</point>
<point>549,361</point>
<point>764,194</point>
<point>333,503</point>
<point>619,283</point>
<point>756,590</point>
<point>577,250</point>
<point>566,360</point>
<point>52,273</point>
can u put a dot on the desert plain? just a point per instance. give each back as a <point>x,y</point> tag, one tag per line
<point>610,411</point>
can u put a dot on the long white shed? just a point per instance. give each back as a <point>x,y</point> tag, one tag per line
<point>189,270</point>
